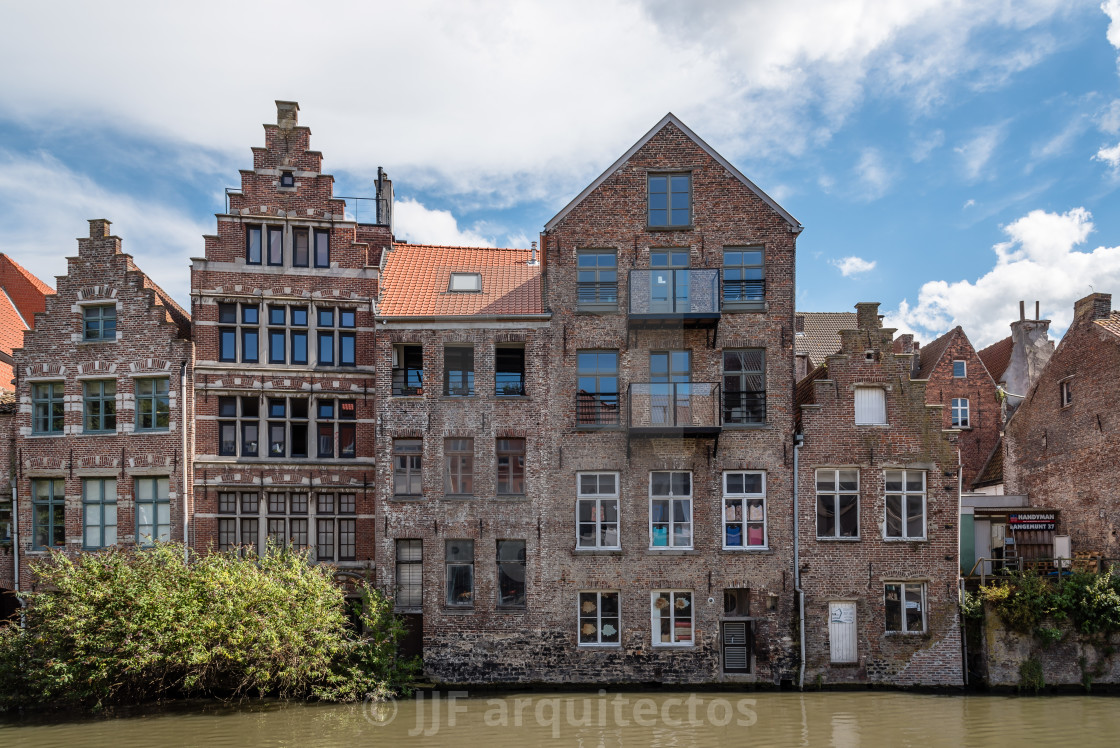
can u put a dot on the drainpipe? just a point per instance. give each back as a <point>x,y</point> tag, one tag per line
<point>960,578</point>
<point>183,410</point>
<point>798,441</point>
<point>15,537</point>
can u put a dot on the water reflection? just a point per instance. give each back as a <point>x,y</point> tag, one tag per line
<point>604,719</point>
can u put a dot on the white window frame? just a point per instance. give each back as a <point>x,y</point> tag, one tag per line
<point>855,405</point>
<point>743,521</point>
<point>902,591</point>
<point>598,499</point>
<point>959,413</point>
<point>464,282</point>
<point>964,368</point>
<point>836,492</point>
<point>581,615</point>
<point>905,497</point>
<point>1065,392</point>
<point>670,545</point>
<point>656,618</point>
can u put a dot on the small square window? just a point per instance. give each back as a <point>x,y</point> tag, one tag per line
<point>287,179</point>
<point>465,282</point>
<point>960,369</point>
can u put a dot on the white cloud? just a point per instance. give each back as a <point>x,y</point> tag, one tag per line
<point>1039,261</point>
<point>970,203</point>
<point>1110,156</point>
<point>43,207</point>
<point>873,174</point>
<point>927,145</point>
<point>1111,9</point>
<point>415,223</point>
<point>1108,118</point>
<point>977,152</point>
<point>437,80</point>
<point>850,266</point>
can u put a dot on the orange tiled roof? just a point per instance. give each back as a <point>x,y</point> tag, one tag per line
<point>11,325</point>
<point>996,357</point>
<point>1111,323</point>
<point>24,290</point>
<point>415,280</point>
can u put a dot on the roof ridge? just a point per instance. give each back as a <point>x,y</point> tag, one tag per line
<point>461,246</point>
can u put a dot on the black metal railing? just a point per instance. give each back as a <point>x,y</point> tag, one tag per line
<point>597,293</point>
<point>735,291</point>
<point>408,382</point>
<point>744,407</point>
<point>658,405</point>
<point>673,292</point>
<point>509,384</point>
<point>597,409</point>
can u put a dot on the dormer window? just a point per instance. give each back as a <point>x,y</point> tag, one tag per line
<point>287,179</point>
<point>465,282</point>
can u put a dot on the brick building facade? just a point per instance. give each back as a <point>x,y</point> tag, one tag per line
<point>285,379</point>
<point>878,520</point>
<point>103,429</point>
<point>1062,446</point>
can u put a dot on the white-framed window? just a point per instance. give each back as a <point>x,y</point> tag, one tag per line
<point>960,369</point>
<point>837,503</point>
<point>1065,392</point>
<point>670,509</point>
<point>906,504</point>
<point>599,618</point>
<point>672,618</point>
<point>744,509</point>
<point>905,607</point>
<point>960,412</point>
<point>465,282</point>
<point>597,510</point>
<point>871,406</point>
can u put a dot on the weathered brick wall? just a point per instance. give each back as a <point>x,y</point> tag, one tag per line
<point>1067,458</point>
<point>979,438</point>
<point>152,340</point>
<point>7,471</point>
<point>856,570</point>
<point>224,276</point>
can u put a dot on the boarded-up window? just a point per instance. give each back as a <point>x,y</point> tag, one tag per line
<point>842,632</point>
<point>871,406</point>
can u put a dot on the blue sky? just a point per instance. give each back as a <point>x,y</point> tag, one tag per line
<point>947,158</point>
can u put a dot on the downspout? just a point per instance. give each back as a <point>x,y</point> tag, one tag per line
<point>15,536</point>
<point>798,441</point>
<point>960,578</point>
<point>183,410</point>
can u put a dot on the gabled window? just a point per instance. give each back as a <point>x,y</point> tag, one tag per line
<point>871,406</point>
<point>153,405</point>
<point>458,371</point>
<point>960,369</point>
<point>959,413</point>
<point>906,504</point>
<point>99,406</point>
<point>597,510</point>
<point>670,200</point>
<point>100,322</point>
<point>905,604</point>
<point>670,509</point>
<point>744,509</point>
<point>408,369</point>
<point>465,282</point>
<point>837,503</point>
<point>287,179</point>
<point>48,407</point>
<point>153,510</point>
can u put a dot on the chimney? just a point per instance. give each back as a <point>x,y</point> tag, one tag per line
<point>384,199</point>
<point>533,256</point>
<point>287,114</point>
<point>99,228</point>
<point>867,315</point>
<point>1094,306</point>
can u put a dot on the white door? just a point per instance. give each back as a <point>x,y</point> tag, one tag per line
<point>842,632</point>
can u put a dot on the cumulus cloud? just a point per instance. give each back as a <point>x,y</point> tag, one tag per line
<point>1110,155</point>
<point>1111,9</point>
<point>415,223</point>
<point>850,266</point>
<point>1039,261</point>
<point>43,205</point>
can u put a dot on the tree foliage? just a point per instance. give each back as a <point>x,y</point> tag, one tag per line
<point>1090,601</point>
<point>124,626</point>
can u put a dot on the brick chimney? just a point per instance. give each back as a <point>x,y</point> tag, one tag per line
<point>1094,306</point>
<point>287,114</point>
<point>867,315</point>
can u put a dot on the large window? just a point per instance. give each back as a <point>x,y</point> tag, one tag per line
<point>959,413</point>
<point>233,426</point>
<point>509,371</point>
<point>238,520</point>
<point>336,336</point>
<point>744,509</point>
<point>99,406</point>
<point>153,510</point>
<point>597,390</point>
<point>511,573</point>
<point>100,322</point>
<point>99,512</point>
<point>301,248</point>
<point>511,467</point>
<point>744,386</point>
<point>670,200</point>
<point>231,334</point>
<point>599,621</point>
<point>322,249</point>
<point>408,456</point>
<point>48,408</point>
<point>459,561</point>
<point>277,335</point>
<point>743,277</point>
<point>458,371</point>
<point>409,588</point>
<point>48,499</point>
<point>253,245</point>
<point>275,245</point>
<point>336,527</point>
<point>672,618</point>
<point>906,504</point>
<point>670,509</point>
<point>408,369</point>
<point>337,423</point>
<point>905,604</point>
<point>153,405</point>
<point>287,427</point>
<point>458,472</point>
<point>837,503</point>
<point>597,279</point>
<point>287,520</point>
<point>597,510</point>
<point>871,406</point>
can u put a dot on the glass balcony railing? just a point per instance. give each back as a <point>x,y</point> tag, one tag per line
<point>688,292</point>
<point>688,406</point>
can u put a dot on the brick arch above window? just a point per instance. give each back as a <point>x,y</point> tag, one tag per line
<point>97,367</point>
<point>97,293</point>
<point>46,370</point>
<point>151,365</point>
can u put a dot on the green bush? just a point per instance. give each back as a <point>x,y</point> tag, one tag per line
<point>1021,601</point>
<point>1092,602</point>
<point>122,626</point>
<point>1030,676</point>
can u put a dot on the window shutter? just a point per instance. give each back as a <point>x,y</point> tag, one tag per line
<point>736,647</point>
<point>871,405</point>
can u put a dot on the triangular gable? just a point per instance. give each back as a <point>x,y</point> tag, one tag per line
<point>670,117</point>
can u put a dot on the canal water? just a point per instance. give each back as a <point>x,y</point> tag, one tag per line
<point>607,719</point>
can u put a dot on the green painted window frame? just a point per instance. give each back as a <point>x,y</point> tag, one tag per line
<point>153,405</point>
<point>48,407</point>
<point>94,394</point>
<point>55,505</point>
<point>101,510</point>
<point>97,316</point>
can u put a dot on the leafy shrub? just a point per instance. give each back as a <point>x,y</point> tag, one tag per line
<point>1092,602</point>
<point>1022,601</point>
<point>1030,676</point>
<point>122,626</point>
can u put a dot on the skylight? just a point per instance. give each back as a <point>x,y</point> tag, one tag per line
<point>465,282</point>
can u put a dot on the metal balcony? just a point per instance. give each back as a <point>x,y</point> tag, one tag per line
<point>688,297</point>
<point>674,409</point>
<point>597,410</point>
<point>742,408</point>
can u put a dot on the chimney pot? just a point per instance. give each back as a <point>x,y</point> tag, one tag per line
<point>287,114</point>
